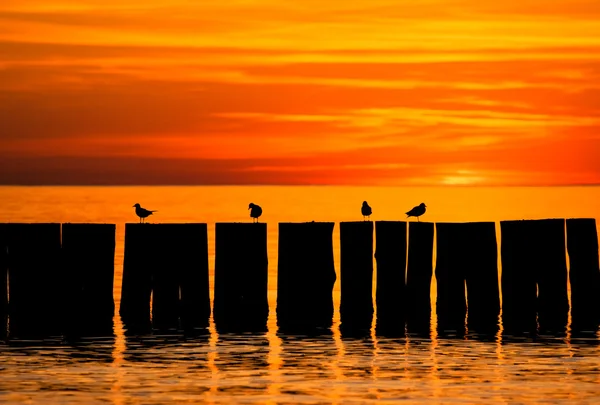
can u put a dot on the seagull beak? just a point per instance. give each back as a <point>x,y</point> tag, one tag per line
<point>132,206</point>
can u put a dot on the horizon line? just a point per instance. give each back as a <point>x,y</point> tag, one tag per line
<point>299,185</point>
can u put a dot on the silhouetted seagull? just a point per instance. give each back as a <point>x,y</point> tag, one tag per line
<point>366,210</point>
<point>142,212</point>
<point>417,211</point>
<point>256,211</point>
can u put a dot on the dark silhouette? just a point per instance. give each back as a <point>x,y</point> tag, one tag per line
<point>417,211</point>
<point>391,264</point>
<point>467,254</point>
<point>419,272</point>
<point>166,287</point>
<point>168,264</point>
<point>356,271</point>
<point>305,277</point>
<point>241,277</point>
<point>366,210</point>
<point>534,276</point>
<point>142,212</point>
<point>37,289</point>
<point>256,211</point>
<point>582,245</point>
<point>89,303</point>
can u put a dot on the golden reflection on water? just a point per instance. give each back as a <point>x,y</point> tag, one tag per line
<point>337,394</point>
<point>117,361</point>
<point>211,362</point>
<point>276,369</point>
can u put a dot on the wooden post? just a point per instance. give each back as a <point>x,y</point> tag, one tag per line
<point>550,247</point>
<point>306,275</point>
<point>467,253</point>
<point>481,270</point>
<point>582,244</point>
<point>451,305</point>
<point>36,280</point>
<point>140,244</point>
<point>519,288</point>
<point>418,277</point>
<point>3,280</point>
<point>180,277</point>
<point>159,259</point>
<point>534,264</point>
<point>390,254</point>
<point>89,260</point>
<point>241,277</point>
<point>356,271</point>
<point>191,262</point>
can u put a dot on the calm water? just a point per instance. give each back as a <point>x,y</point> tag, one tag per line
<point>277,369</point>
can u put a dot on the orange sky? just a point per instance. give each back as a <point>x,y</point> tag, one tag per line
<point>396,92</point>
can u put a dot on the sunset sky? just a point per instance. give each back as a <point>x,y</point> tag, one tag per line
<point>428,92</point>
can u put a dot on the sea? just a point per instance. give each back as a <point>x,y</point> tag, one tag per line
<point>274,368</point>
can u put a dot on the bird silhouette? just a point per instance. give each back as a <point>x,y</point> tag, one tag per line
<point>255,212</point>
<point>142,212</point>
<point>417,211</point>
<point>366,210</point>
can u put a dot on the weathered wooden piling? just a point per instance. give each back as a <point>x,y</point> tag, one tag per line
<point>36,280</point>
<point>306,275</point>
<point>169,262</point>
<point>467,253</point>
<point>451,305</point>
<point>140,246</point>
<point>418,276</point>
<point>164,273</point>
<point>519,287</point>
<point>241,277</point>
<point>181,250</point>
<point>88,252</point>
<point>551,276</point>
<point>534,275</point>
<point>180,290</point>
<point>390,255</point>
<point>356,272</point>
<point>481,271</point>
<point>582,245</point>
<point>191,262</point>
<point>3,281</point>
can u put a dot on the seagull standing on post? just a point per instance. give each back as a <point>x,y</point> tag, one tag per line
<point>366,210</point>
<point>142,212</point>
<point>417,211</point>
<point>255,212</point>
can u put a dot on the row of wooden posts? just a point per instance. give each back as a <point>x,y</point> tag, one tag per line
<point>60,277</point>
